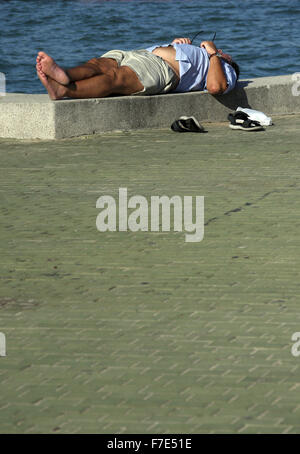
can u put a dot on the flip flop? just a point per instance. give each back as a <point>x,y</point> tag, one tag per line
<point>187,124</point>
<point>241,120</point>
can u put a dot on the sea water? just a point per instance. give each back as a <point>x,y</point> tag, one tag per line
<point>262,36</point>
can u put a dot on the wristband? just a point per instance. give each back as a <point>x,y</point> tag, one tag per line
<point>217,54</point>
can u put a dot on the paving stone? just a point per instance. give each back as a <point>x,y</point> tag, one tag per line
<point>124,332</point>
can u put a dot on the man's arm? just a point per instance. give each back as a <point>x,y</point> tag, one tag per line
<point>216,82</point>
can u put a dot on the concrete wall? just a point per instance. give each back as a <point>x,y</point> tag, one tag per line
<point>35,116</point>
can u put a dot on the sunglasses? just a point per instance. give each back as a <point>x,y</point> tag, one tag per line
<point>214,37</point>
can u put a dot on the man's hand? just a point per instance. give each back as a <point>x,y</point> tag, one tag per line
<point>209,46</point>
<point>182,41</point>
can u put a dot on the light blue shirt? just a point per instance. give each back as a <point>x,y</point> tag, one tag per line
<point>193,67</point>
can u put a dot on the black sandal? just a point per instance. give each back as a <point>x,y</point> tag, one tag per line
<point>187,124</point>
<point>241,120</point>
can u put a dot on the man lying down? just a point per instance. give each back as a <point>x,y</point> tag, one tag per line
<point>177,67</point>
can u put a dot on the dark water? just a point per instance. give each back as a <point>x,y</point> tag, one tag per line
<point>263,36</point>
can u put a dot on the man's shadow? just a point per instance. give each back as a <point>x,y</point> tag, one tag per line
<point>236,97</point>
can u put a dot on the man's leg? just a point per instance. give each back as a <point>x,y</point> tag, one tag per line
<point>122,81</point>
<point>93,67</point>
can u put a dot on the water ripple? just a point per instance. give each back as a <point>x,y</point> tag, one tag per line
<point>264,37</point>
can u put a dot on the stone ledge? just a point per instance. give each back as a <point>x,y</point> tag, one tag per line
<point>26,116</point>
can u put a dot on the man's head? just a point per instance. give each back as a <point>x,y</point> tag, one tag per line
<point>236,68</point>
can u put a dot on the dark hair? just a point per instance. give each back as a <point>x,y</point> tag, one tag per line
<point>236,68</point>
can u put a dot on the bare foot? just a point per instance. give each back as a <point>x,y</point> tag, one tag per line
<point>51,69</point>
<point>54,89</point>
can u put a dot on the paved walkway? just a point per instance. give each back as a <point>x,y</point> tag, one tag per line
<point>124,332</point>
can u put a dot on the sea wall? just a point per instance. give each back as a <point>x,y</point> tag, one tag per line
<point>26,116</point>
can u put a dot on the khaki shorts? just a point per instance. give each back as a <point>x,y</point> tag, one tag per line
<point>153,72</point>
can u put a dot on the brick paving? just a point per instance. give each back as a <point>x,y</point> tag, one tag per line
<point>124,332</point>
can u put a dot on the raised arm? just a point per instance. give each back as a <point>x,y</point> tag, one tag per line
<point>216,82</point>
